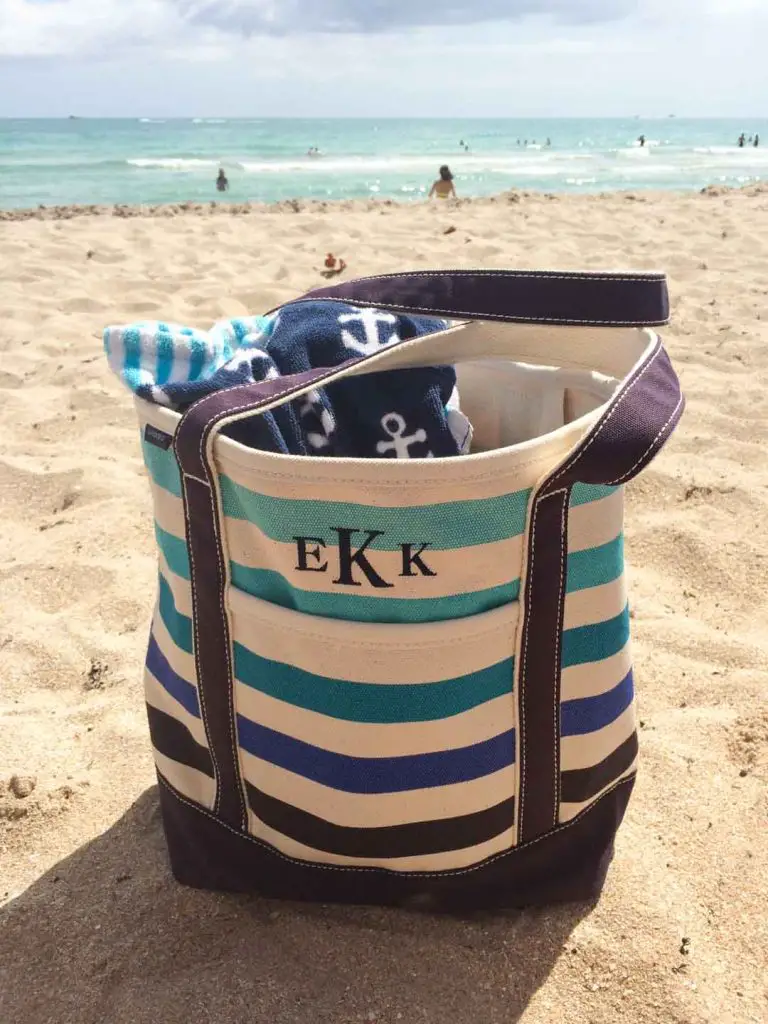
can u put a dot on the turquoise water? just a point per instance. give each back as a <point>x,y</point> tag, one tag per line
<point>145,161</point>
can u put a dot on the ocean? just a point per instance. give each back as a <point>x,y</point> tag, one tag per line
<point>156,161</point>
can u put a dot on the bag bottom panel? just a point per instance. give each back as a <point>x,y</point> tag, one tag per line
<point>568,864</point>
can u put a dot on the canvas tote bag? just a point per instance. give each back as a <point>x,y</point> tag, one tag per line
<point>385,679</point>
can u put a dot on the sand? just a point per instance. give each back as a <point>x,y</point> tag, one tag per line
<point>92,928</point>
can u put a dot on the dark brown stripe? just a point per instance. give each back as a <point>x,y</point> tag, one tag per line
<point>410,840</point>
<point>211,645</point>
<point>583,783</point>
<point>172,738</point>
<point>569,864</point>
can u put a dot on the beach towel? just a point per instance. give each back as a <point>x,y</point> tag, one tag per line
<point>408,413</point>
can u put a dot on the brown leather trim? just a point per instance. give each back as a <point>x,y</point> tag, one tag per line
<point>539,674</point>
<point>212,648</point>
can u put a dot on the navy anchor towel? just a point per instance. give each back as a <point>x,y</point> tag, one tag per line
<point>395,414</point>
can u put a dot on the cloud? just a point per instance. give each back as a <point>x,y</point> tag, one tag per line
<point>370,16</point>
<point>45,28</point>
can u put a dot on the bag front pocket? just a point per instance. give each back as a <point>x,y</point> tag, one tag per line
<point>376,744</point>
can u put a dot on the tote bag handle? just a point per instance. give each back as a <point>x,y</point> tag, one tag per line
<point>639,418</point>
<point>516,296</point>
<point>631,430</point>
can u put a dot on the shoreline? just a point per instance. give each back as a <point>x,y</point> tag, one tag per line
<point>299,205</point>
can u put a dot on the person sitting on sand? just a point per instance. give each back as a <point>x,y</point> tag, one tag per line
<point>222,184</point>
<point>334,265</point>
<point>443,188</point>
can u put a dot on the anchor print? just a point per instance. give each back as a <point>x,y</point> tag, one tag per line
<point>312,406</point>
<point>370,320</point>
<point>394,425</point>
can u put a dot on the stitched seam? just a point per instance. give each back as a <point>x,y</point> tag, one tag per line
<point>398,484</point>
<point>543,275</point>
<point>651,446</point>
<point>523,673</point>
<point>524,657</point>
<point>426,645</point>
<point>558,650</point>
<point>504,317</point>
<point>579,453</point>
<point>624,776</point>
<point>197,479</point>
<point>225,624</point>
<point>198,671</point>
<point>409,874</point>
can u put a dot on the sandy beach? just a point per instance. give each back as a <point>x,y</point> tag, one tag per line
<point>93,930</point>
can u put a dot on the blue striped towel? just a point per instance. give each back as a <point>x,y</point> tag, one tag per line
<point>156,360</point>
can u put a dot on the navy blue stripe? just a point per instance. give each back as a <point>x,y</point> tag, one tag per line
<point>182,691</point>
<point>377,774</point>
<point>579,717</point>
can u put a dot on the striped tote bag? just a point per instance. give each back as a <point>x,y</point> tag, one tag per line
<point>388,680</point>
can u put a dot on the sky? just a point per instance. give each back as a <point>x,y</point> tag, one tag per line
<point>383,58</point>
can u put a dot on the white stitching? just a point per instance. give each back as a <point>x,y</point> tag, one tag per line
<point>410,874</point>
<point>503,317</point>
<point>524,653</point>
<point>197,479</point>
<point>523,672</point>
<point>440,481</point>
<point>200,688</point>
<point>542,275</point>
<point>578,454</point>
<point>225,623</point>
<point>558,649</point>
<point>442,642</point>
<point>649,449</point>
<point>635,279</point>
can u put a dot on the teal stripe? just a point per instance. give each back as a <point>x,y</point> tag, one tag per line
<point>590,568</point>
<point>162,467</point>
<point>198,358</point>
<point>382,703</point>
<point>586,644</point>
<point>448,525</point>
<point>174,550</point>
<point>165,343</point>
<point>271,586</point>
<point>444,526</point>
<point>594,567</point>
<point>583,494</point>
<point>179,626</point>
